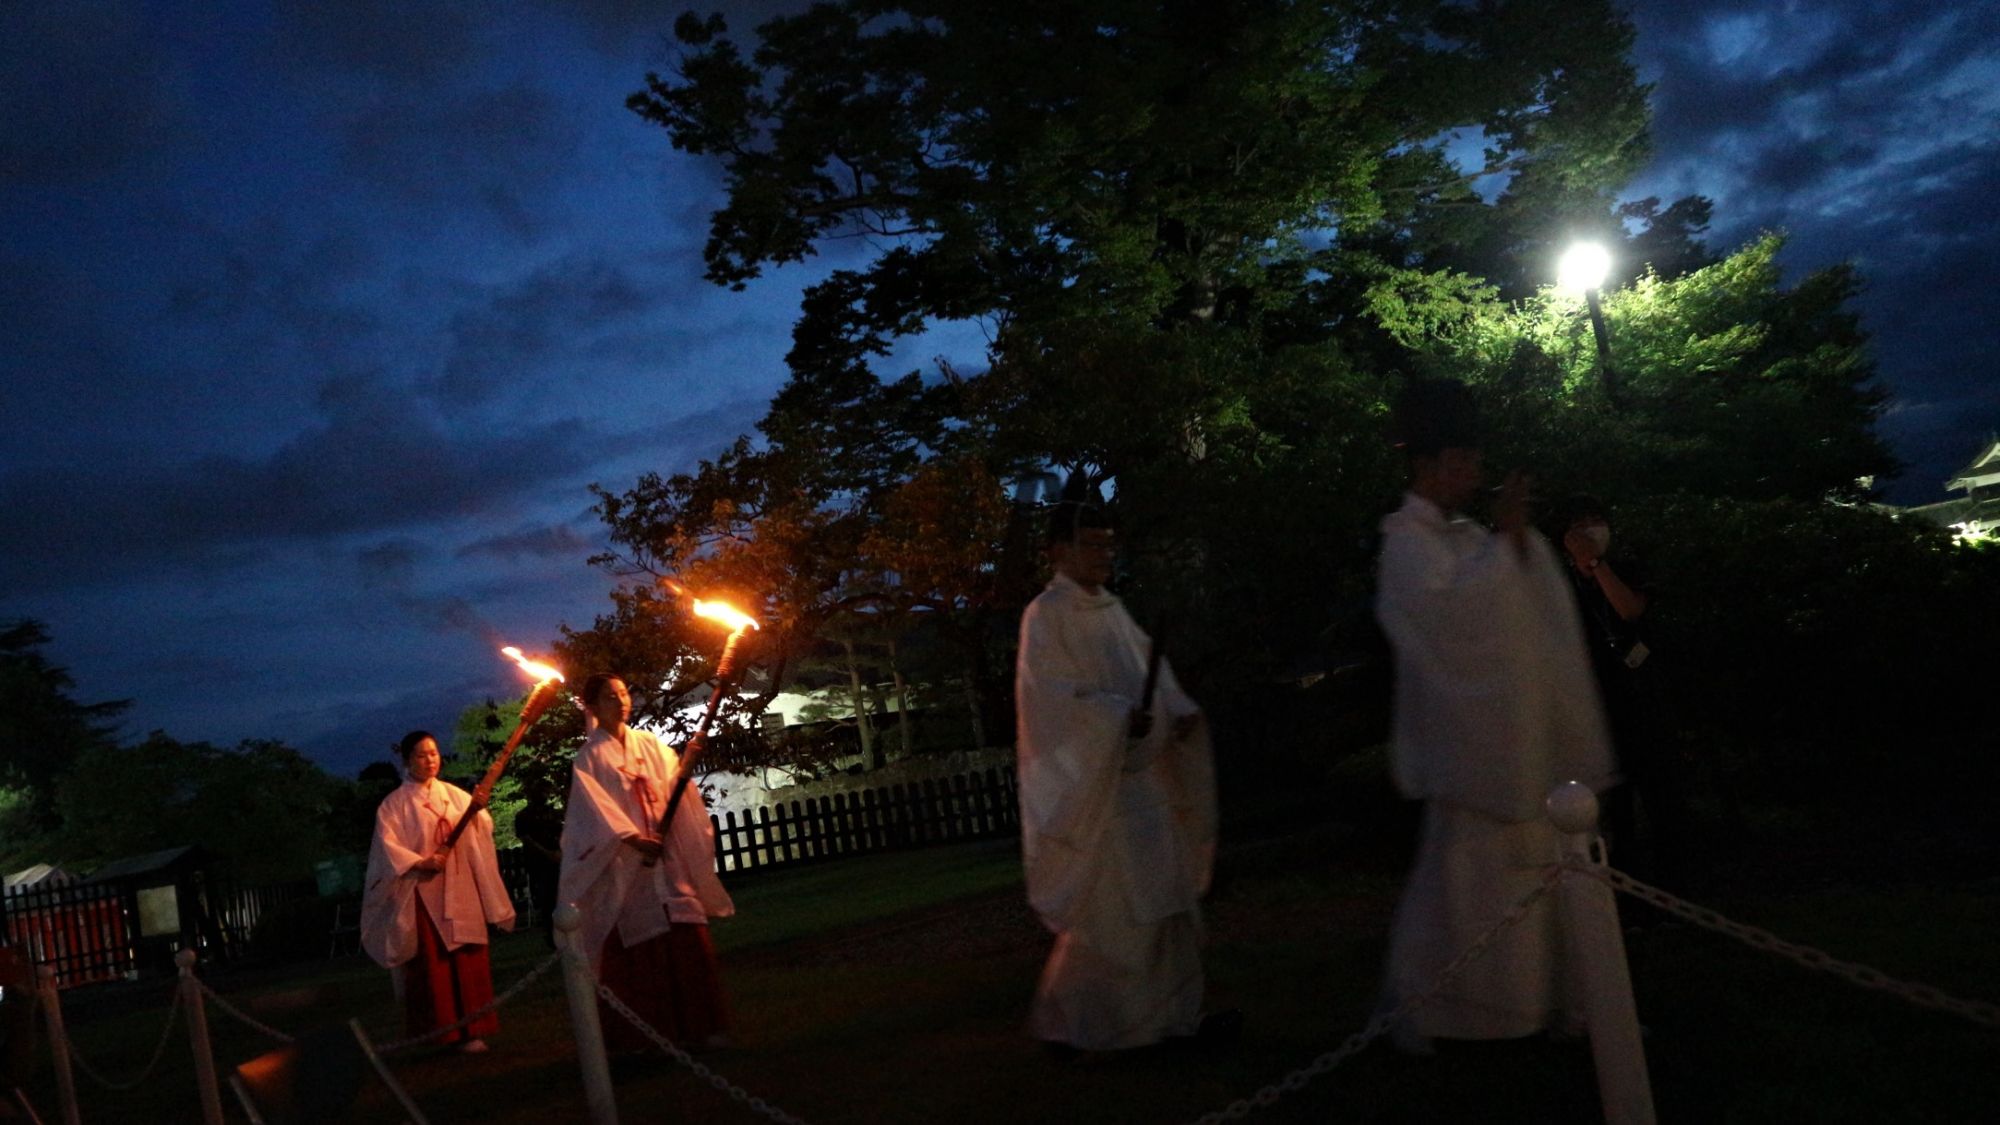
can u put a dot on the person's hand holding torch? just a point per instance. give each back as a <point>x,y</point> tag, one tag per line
<point>725,681</point>
<point>538,703</point>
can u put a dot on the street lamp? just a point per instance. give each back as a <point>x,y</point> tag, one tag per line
<point>1582,270</point>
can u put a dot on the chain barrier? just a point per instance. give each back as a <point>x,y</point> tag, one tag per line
<point>755,1104</point>
<point>152,1064</point>
<point>513,990</point>
<point>242,1016</point>
<point>476,1014</point>
<point>1381,1024</point>
<point>1862,976</point>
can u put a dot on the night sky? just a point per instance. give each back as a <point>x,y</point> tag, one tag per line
<point>316,320</point>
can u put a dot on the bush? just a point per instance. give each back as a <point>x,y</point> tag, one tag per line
<point>1823,654</point>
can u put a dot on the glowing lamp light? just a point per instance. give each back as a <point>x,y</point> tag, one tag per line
<point>1583,267</point>
<point>542,672</point>
<point>729,615</point>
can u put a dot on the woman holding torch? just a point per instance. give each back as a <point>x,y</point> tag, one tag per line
<point>645,901</point>
<point>427,905</point>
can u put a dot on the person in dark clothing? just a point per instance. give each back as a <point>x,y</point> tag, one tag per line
<point>1645,818</point>
<point>538,825</point>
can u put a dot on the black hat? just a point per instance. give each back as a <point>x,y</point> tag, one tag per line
<point>1433,415</point>
<point>1081,506</point>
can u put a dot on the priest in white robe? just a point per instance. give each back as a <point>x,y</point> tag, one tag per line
<point>425,910</point>
<point>1494,707</point>
<point>645,902</point>
<point>1118,816</point>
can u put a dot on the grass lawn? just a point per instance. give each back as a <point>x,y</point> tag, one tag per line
<point>893,989</point>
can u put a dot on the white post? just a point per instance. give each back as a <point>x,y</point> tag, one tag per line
<point>1596,950</point>
<point>45,977</point>
<point>204,1054</point>
<point>581,985</point>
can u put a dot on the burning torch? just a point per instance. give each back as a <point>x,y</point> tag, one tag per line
<point>539,701</point>
<point>726,670</point>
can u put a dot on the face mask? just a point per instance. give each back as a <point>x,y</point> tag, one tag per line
<point>1599,536</point>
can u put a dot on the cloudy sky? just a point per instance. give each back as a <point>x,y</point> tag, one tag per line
<point>316,320</point>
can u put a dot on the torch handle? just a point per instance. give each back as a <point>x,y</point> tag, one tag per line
<point>725,675</point>
<point>1155,656</point>
<point>538,702</point>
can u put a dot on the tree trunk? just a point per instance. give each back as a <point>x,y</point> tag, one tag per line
<point>905,721</point>
<point>869,752</point>
<point>974,706</point>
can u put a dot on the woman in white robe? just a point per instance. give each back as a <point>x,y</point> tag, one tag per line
<point>425,910</point>
<point>645,904</point>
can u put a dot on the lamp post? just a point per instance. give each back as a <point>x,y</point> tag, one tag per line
<point>1582,270</point>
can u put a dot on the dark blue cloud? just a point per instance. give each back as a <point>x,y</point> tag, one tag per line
<point>84,88</point>
<point>387,39</point>
<point>550,541</point>
<point>501,147</point>
<point>510,338</point>
<point>1870,133</point>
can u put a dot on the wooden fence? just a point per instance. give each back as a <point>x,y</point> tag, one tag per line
<point>972,806</point>
<point>90,931</point>
<point>86,930</point>
<point>236,909</point>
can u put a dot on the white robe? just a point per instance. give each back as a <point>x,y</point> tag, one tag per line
<point>462,900</point>
<point>1495,706</point>
<point>619,793</point>
<point>1118,838</point>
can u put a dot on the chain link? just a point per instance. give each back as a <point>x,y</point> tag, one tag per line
<point>1377,1027</point>
<point>513,990</point>
<point>242,1016</point>
<point>755,1104</point>
<point>1819,961</point>
<point>401,1044</point>
<point>152,1064</point>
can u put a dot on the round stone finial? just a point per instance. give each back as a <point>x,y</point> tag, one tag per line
<point>567,917</point>
<point>1573,807</point>
<point>185,958</point>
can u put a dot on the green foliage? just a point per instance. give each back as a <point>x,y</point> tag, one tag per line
<point>1728,383</point>
<point>43,731</point>
<point>1208,242</point>
<point>262,805</point>
<point>537,773</point>
<point>1131,160</point>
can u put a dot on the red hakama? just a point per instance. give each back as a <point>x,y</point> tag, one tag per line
<point>672,982</point>
<point>440,986</point>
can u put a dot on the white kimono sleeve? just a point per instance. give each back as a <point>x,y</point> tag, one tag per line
<point>1072,750</point>
<point>1492,696</point>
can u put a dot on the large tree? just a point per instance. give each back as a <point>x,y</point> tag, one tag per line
<point>1207,241</point>
<point>1048,161</point>
<point>44,732</point>
<point>1141,200</point>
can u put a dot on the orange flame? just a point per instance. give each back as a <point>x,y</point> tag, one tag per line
<point>729,615</point>
<point>541,672</point>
